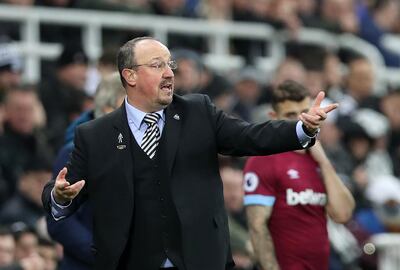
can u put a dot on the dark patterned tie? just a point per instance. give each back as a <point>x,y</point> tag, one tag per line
<point>152,135</point>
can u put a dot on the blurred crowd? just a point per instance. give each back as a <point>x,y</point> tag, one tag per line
<point>361,138</point>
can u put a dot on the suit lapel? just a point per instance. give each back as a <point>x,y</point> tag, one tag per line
<point>172,130</point>
<point>123,145</point>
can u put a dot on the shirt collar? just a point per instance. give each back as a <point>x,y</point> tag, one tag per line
<point>135,116</point>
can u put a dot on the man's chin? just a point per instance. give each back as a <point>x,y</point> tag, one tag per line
<point>166,100</point>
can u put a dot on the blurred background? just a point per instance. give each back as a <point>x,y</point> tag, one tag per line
<point>54,53</point>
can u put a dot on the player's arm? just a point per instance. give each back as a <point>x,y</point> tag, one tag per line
<point>340,203</point>
<point>264,251</point>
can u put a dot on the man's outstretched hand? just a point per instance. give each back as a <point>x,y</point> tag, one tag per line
<point>63,191</point>
<point>313,119</point>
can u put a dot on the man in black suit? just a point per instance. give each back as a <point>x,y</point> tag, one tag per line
<point>151,173</point>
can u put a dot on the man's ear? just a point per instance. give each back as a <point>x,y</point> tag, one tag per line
<point>129,76</point>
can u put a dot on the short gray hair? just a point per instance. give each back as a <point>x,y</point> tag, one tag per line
<point>126,55</point>
<point>109,91</point>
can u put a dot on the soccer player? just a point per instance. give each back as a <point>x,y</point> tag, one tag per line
<point>288,196</point>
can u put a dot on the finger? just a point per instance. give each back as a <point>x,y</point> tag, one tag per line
<point>318,99</point>
<point>322,114</point>
<point>75,188</point>
<point>61,175</point>
<point>61,185</point>
<point>330,107</point>
<point>311,119</point>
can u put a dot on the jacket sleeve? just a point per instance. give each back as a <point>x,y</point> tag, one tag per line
<point>240,138</point>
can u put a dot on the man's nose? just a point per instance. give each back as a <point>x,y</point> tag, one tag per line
<point>168,72</point>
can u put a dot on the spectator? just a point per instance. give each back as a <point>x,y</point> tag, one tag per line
<point>385,196</point>
<point>177,8</point>
<point>8,251</point>
<point>359,87</point>
<point>248,89</point>
<point>289,69</point>
<point>233,197</point>
<point>376,125</point>
<point>170,8</point>
<point>7,247</point>
<point>47,251</point>
<point>63,95</point>
<point>10,68</point>
<point>217,10</point>
<point>189,71</point>
<point>390,106</point>
<point>337,16</point>
<point>333,76</point>
<point>331,139</point>
<point>26,240</point>
<point>377,21</point>
<point>218,88</point>
<point>22,139</point>
<point>26,251</point>
<point>313,59</point>
<point>359,144</point>
<point>26,205</point>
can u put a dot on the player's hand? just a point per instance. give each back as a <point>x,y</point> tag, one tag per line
<point>313,119</point>
<point>63,191</point>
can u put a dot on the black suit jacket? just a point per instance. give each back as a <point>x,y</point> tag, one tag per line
<point>195,132</point>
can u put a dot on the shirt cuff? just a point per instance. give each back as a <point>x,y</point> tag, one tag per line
<point>59,211</point>
<point>304,139</point>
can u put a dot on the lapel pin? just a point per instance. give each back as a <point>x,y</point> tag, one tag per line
<point>176,117</point>
<point>120,138</point>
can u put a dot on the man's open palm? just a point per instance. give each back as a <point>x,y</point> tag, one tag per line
<point>63,190</point>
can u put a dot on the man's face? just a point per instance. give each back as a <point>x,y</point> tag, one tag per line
<point>290,110</point>
<point>361,78</point>
<point>7,249</point>
<point>153,79</point>
<point>20,111</point>
<point>233,189</point>
<point>26,245</point>
<point>188,76</point>
<point>74,75</point>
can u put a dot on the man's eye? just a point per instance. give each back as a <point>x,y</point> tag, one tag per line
<point>157,65</point>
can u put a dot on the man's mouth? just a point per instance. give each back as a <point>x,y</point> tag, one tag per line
<point>166,86</point>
